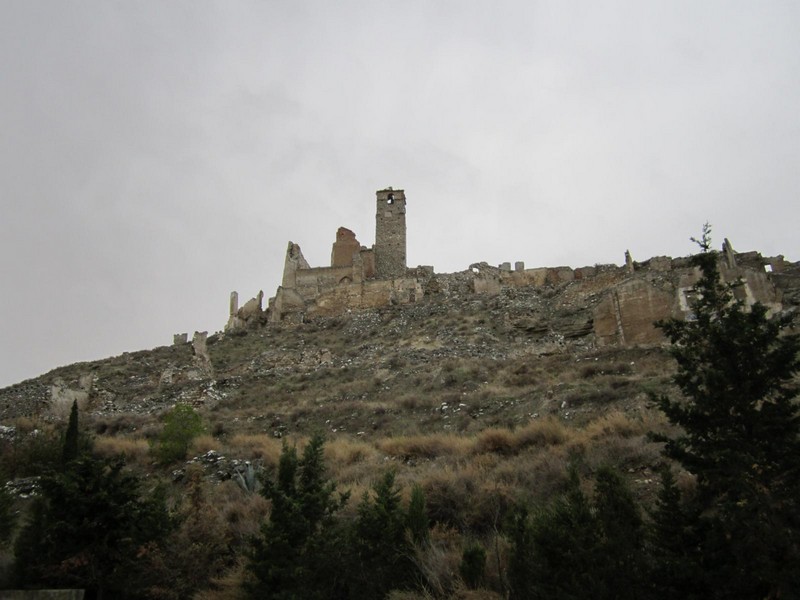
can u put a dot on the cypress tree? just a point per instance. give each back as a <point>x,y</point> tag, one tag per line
<point>70,449</point>
<point>382,544</point>
<point>297,553</point>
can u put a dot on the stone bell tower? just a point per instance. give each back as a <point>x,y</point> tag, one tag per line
<point>390,234</point>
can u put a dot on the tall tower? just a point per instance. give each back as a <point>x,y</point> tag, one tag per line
<point>390,233</point>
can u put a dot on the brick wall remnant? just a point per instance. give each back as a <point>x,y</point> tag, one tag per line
<point>344,248</point>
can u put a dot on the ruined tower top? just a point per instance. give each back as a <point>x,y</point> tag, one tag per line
<point>390,233</point>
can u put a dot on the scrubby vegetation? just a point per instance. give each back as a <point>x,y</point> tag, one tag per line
<point>422,452</point>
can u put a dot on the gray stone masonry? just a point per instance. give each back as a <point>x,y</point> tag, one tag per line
<point>390,234</point>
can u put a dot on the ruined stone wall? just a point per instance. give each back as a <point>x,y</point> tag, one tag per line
<point>661,288</point>
<point>390,234</point>
<point>616,304</point>
<point>344,248</point>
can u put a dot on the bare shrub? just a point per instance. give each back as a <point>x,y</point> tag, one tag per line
<point>500,441</point>
<point>624,452</point>
<point>542,432</point>
<point>521,375</point>
<point>424,446</point>
<point>243,513</point>
<point>202,444</point>
<point>228,586</point>
<point>466,499</point>
<point>343,451</point>
<point>121,423</point>
<point>414,400</point>
<point>438,560</point>
<point>133,449</point>
<point>24,424</point>
<point>613,424</point>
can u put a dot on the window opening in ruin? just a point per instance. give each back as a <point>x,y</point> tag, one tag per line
<point>390,199</point>
<point>768,268</point>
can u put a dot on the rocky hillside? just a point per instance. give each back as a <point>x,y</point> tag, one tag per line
<point>482,400</point>
<point>498,360</point>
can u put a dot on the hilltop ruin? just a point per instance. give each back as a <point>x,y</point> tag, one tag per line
<point>614,305</point>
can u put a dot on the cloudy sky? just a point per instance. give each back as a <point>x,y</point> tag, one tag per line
<point>155,155</point>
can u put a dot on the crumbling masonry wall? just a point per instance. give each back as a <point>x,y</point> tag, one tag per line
<point>610,305</point>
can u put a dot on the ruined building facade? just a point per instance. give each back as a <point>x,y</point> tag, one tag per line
<point>357,278</point>
<point>608,304</point>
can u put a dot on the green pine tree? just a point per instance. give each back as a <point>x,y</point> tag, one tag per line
<point>297,553</point>
<point>580,547</point>
<point>562,557</point>
<point>383,545</point>
<point>741,435</point>
<point>621,549</point>
<point>675,570</point>
<point>89,529</point>
<point>181,425</point>
<point>521,583</point>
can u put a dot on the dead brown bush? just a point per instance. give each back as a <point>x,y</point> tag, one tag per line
<point>424,446</point>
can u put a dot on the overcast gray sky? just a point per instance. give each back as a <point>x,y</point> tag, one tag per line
<point>155,155</point>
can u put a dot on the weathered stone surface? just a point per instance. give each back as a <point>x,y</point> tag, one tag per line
<point>390,233</point>
<point>627,313</point>
<point>180,338</point>
<point>620,303</point>
<point>344,248</point>
<point>202,359</point>
<point>62,395</point>
<point>293,262</point>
